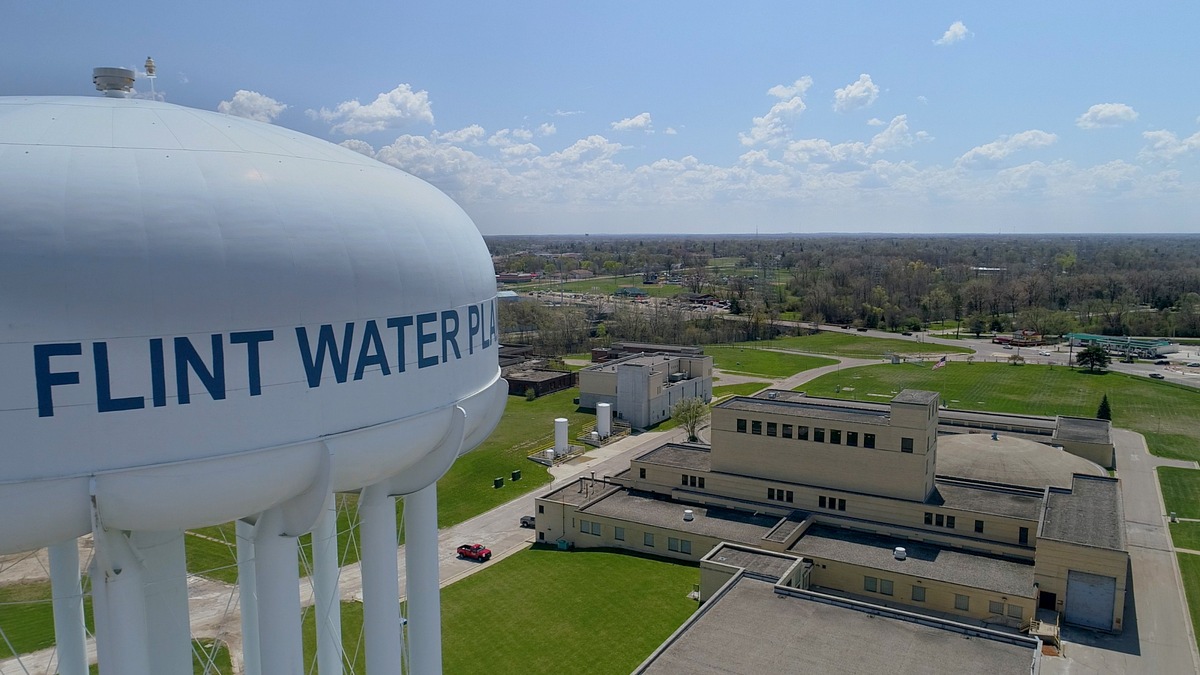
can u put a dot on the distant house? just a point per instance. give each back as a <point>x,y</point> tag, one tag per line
<point>580,274</point>
<point>515,277</point>
<point>630,292</point>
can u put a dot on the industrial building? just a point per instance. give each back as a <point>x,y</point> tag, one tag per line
<point>642,388</point>
<point>1008,523</point>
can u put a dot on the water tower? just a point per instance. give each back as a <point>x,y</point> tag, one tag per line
<point>206,319</point>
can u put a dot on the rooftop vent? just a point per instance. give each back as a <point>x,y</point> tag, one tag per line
<point>900,553</point>
<point>688,515</point>
<point>115,82</point>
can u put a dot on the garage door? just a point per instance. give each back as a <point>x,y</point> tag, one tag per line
<point>1090,599</point>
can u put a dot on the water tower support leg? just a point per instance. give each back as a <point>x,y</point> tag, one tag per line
<point>380,586</point>
<point>421,565</point>
<point>169,635</point>
<point>325,591</point>
<point>122,627</point>
<point>248,598</point>
<point>277,582</point>
<point>69,634</point>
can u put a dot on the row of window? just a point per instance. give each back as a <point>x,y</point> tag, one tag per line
<point>673,544</point>
<point>831,503</point>
<point>780,495</point>
<point>940,520</point>
<point>818,434</point>
<point>691,481</point>
<point>961,602</point>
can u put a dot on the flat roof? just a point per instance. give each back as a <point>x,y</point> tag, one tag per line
<point>1092,514</point>
<point>755,561</point>
<point>681,456</point>
<point>917,396</point>
<point>1083,430</point>
<point>708,521</point>
<point>926,561</point>
<point>751,629</point>
<point>636,360</point>
<point>997,501</point>
<point>815,408</point>
<point>535,375</point>
<point>577,491</point>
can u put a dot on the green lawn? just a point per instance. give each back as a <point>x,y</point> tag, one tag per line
<point>743,389</point>
<point>1165,413</point>
<point>857,346</point>
<point>1180,490</point>
<point>27,617</point>
<point>1186,534</point>
<point>607,286</point>
<point>508,616</point>
<point>751,361</point>
<point>1189,568</point>
<point>464,492</point>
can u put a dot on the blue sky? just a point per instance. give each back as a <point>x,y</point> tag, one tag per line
<point>674,117</point>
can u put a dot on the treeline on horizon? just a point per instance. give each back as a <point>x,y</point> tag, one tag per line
<point>1114,285</point>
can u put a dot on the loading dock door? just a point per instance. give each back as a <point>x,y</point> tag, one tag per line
<point>1090,599</point>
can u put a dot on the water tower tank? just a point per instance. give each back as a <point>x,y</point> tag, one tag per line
<point>203,316</point>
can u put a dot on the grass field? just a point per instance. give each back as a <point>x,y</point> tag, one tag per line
<point>464,492</point>
<point>751,361</point>
<point>606,286</point>
<point>27,618</point>
<point>742,389</point>
<point>1180,490</point>
<point>856,346</point>
<point>500,620</point>
<point>1189,568</point>
<point>1165,413</point>
<point>1186,534</point>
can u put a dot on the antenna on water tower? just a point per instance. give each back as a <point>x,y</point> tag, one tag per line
<point>151,76</point>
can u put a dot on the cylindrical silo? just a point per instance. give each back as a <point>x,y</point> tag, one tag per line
<point>561,444</point>
<point>604,419</point>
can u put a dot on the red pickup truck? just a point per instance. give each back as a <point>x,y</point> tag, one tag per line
<point>475,552</point>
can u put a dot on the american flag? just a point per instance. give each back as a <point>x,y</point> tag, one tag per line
<point>941,362</point>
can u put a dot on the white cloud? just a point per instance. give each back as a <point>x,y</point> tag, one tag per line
<point>957,32</point>
<point>990,154</point>
<point>858,94</point>
<point>506,138</point>
<point>852,154</point>
<point>361,147</point>
<point>567,113</point>
<point>1165,145</point>
<point>772,127</point>
<point>389,110</point>
<point>252,105</point>
<point>547,129</point>
<point>922,100</point>
<point>639,121</point>
<point>670,131</point>
<point>875,122</point>
<point>1104,115</point>
<point>471,135</point>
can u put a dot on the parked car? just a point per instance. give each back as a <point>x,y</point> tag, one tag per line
<point>1006,346</point>
<point>1158,376</point>
<point>1043,353</point>
<point>907,332</point>
<point>862,329</point>
<point>528,521</point>
<point>475,552</point>
<point>1193,365</point>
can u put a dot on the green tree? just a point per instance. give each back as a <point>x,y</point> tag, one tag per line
<point>690,413</point>
<point>1104,412</point>
<point>1093,357</point>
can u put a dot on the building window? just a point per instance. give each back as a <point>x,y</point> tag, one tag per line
<point>818,435</point>
<point>950,522</point>
<point>756,427</point>
<point>685,546</point>
<point>789,496</point>
<point>885,586</point>
<point>979,526</point>
<point>995,607</point>
<point>541,509</point>
<point>928,518</point>
<point>1015,611</point>
<point>835,436</point>
<point>962,602</point>
<point>672,544</point>
<point>868,440</point>
<point>821,501</point>
<point>852,438</point>
<point>684,480</point>
<point>841,504</point>
<point>595,528</point>
<point>648,539</point>
<point>787,431</point>
<point>641,473</point>
<point>772,428</point>
<point>802,433</point>
<point>906,445</point>
<point>585,527</point>
<point>870,584</point>
<point>1023,536</point>
<point>771,493</point>
<point>619,533</point>
<point>701,485</point>
<point>918,593</point>
<point>939,520</point>
<point>741,426</point>
<point>541,536</point>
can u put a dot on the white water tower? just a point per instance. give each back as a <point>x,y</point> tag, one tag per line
<point>206,319</point>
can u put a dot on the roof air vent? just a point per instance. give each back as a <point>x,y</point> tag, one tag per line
<point>900,553</point>
<point>115,82</point>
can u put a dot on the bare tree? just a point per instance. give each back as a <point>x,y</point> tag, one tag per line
<point>691,414</point>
